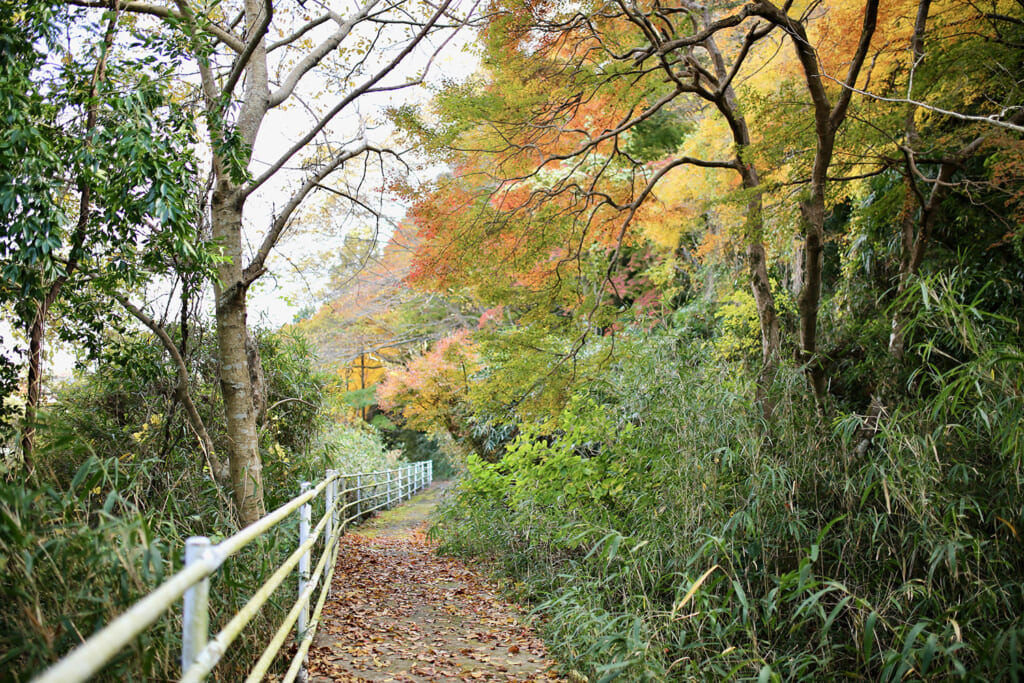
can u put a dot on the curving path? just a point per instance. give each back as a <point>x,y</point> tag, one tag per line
<point>399,612</point>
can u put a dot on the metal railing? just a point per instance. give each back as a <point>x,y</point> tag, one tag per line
<point>348,498</point>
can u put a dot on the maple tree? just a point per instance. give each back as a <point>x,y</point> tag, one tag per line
<point>431,388</point>
<point>569,162</point>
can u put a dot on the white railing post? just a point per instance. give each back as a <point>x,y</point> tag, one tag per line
<point>389,489</point>
<point>195,621</point>
<point>305,512</point>
<point>430,472</point>
<point>359,496</point>
<point>332,489</point>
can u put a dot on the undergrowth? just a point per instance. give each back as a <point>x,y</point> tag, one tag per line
<point>665,531</point>
<point>120,485</point>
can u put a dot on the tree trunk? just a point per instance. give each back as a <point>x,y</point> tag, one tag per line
<point>813,212</point>
<point>36,339</point>
<point>37,331</point>
<point>760,285</point>
<point>218,469</point>
<point>828,117</point>
<point>259,384</point>
<point>757,266</point>
<point>235,380</point>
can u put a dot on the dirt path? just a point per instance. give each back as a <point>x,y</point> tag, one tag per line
<point>398,612</point>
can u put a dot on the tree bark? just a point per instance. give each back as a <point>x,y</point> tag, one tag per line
<point>256,377</point>
<point>724,99</point>
<point>244,461</point>
<point>36,339</point>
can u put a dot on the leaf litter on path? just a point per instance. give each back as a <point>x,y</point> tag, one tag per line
<point>399,612</point>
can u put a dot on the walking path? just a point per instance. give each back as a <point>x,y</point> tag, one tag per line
<point>399,612</point>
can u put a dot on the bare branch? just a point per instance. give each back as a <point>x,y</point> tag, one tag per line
<point>996,120</point>
<point>317,55</point>
<point>164,13</point>
<point>345,102</point>
<point>306,28</point>
<point>256,267</point>
<point>218,468</point>
<point>242,61</point>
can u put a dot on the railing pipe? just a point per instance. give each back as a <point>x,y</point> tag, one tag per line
<point>274,646</point>
<point>199,653</point>
<point>216,648</point>
<point>329,498</point>
<point>89,657</point>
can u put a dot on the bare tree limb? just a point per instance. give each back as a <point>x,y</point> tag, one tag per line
<point>345,102</point>
<point>218,468</point>
<point>164,13</point>
<point>997,120</point>
<point>317,54</point>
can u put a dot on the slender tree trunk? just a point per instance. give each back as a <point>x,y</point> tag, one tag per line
<point>757,266</point>
<point>809,301</point>
<point>828,117</point>
<point>256,377</point>
<point>244,461</point>
<point>218,469</point>
<point>760,285</point>
<point>36,340</point>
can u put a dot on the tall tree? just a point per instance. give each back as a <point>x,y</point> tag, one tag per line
<point>96,173</point>
<point>254,61</point>
<point>830,111</point>
<point>584,108</point>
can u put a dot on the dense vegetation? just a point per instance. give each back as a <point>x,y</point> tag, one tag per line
<point>744,399</point>
<point>121,485</point>
<point>717,307</point>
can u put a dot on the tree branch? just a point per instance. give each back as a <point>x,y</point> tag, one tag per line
<point>992,119</point>
<point>345,102</point>
<point>164,13</point>
<point>218,468</point>
<point>317,55</point>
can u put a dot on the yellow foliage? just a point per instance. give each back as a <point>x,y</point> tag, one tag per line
<point>364,371</point>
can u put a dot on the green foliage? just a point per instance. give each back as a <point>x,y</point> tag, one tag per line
<point>665,536</point>
<point>659,135</point>
<point>119,146</point>
<point>120,484</point>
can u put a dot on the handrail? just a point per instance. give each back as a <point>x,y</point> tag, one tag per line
<point>378,490</point>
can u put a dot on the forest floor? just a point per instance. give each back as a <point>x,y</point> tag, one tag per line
<point>400,612</point>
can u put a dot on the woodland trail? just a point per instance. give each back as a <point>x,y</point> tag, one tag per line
<point>399,612</point>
